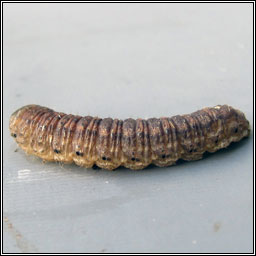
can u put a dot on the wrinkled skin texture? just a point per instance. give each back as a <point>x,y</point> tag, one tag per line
<point>135,144</point>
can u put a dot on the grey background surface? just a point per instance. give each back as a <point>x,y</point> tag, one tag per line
<point>128,60</point>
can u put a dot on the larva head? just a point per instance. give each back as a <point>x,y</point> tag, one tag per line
<point>15,120</point>
<point>237,126</point>
<point>18,123</point>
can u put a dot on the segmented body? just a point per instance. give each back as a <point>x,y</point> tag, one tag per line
<point>110,143</point>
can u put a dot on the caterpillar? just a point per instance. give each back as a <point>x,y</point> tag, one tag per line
<point>110,143</point>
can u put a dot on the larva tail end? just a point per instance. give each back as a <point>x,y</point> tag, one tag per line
<point>238,126</point>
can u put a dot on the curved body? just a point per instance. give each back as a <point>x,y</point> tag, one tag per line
<point>110,143</point>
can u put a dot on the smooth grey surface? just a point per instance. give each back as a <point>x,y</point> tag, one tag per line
<point>128,60</point>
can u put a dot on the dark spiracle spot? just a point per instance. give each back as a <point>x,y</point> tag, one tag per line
<point>56,151</point>
<point>104,158</point>
<point>190,151</point>
<point>163,156</point>
<point>133,159</point>
<point>14,135</point>
<point>216,141</point>
<point>95,167</point>
<point>79,153</point>
<point>236,130</point>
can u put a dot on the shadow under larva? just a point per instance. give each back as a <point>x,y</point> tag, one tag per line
<point>135,144</point>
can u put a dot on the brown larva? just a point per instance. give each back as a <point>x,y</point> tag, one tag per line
<point>135,144</point>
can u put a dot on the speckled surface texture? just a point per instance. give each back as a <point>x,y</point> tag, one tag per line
<point>128,60</point>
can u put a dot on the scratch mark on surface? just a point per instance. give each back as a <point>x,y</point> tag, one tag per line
<point>21,242</point>
<point>216,226</point>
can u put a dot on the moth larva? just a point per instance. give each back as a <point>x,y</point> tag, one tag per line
<point>110,143</point>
